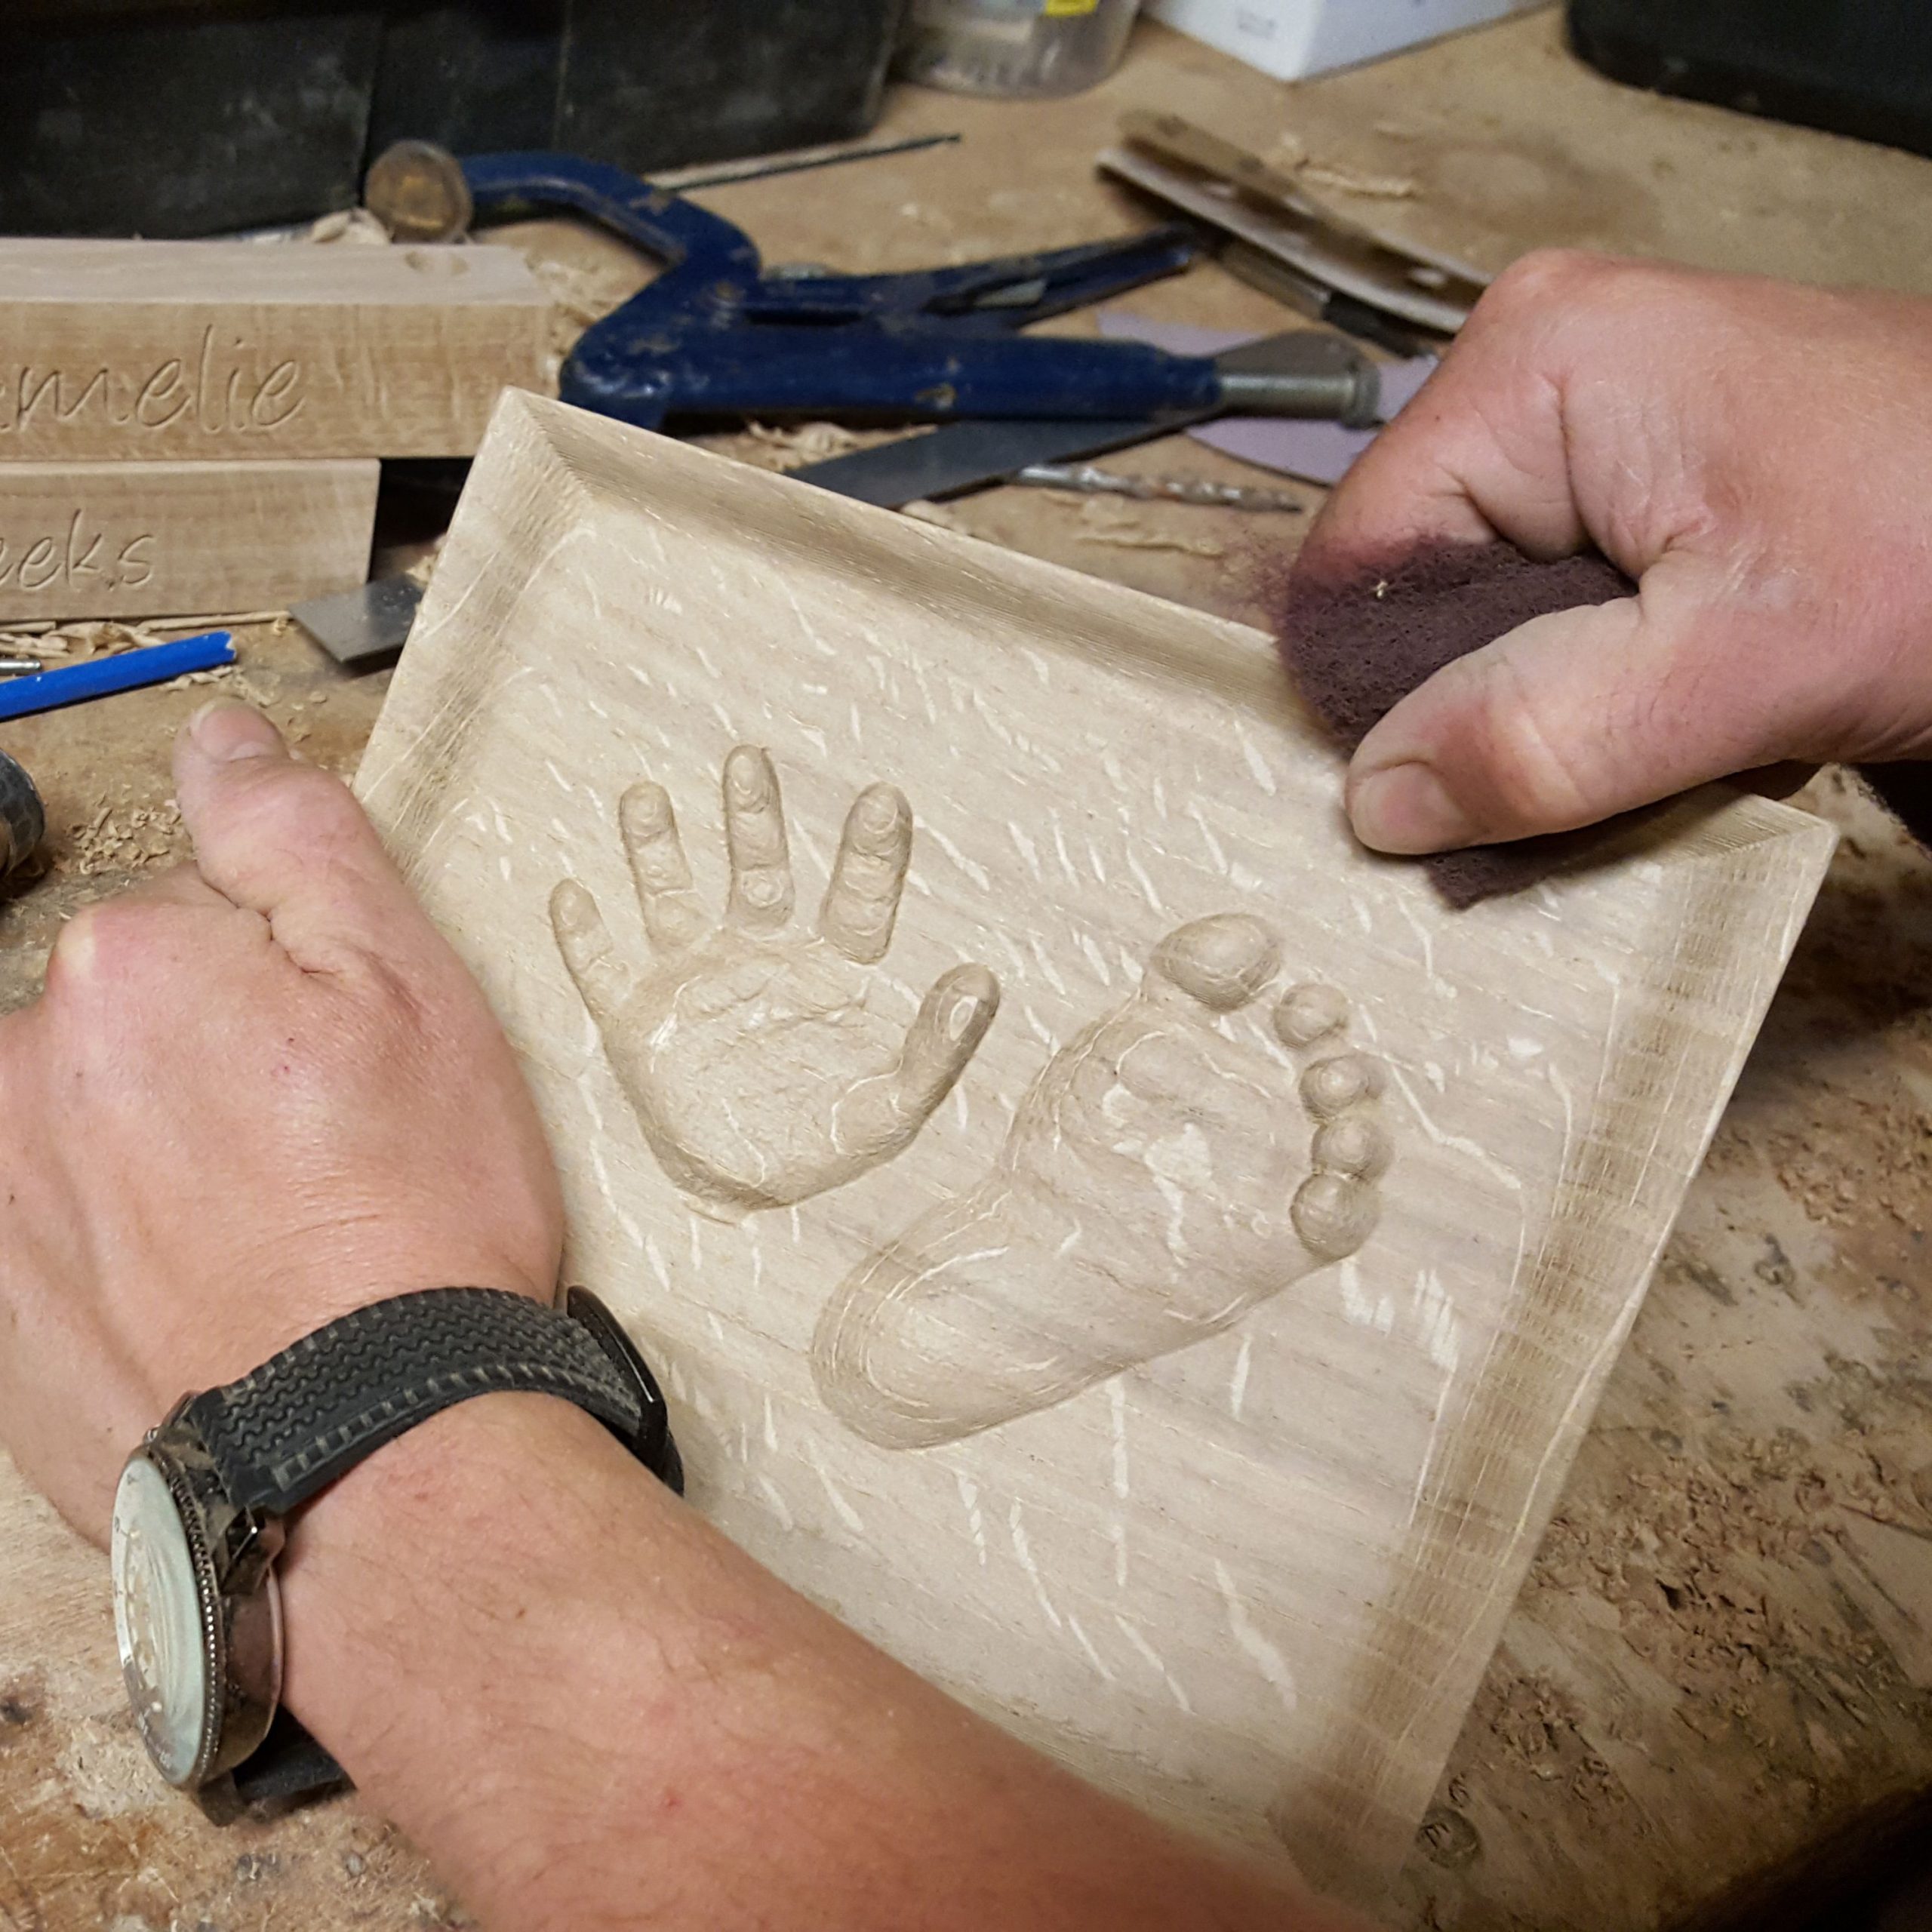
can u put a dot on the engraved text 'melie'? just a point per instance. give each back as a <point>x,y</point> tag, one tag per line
<point>220,386</point>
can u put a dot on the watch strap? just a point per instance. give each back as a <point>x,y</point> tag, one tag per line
<point>277,1436</point>
<point>288,1765</point>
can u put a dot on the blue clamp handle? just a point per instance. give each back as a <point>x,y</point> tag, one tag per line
<point>717,334</point>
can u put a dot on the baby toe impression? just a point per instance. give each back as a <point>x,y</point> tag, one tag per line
<point>1329,1087</point>
<point>1334,1215</point>
<point>1306,1012</point>
<point>1352,1144</point>
<point>1222,961</point>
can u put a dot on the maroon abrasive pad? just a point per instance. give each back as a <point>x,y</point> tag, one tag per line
<point>1356,646</point>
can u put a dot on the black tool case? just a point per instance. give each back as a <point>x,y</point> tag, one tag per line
<point>1861,67</point>
<point>201,117</point>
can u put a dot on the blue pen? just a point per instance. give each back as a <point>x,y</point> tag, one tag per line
<point>102,677</point>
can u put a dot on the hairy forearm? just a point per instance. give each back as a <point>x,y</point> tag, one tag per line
<point>590,1710</point>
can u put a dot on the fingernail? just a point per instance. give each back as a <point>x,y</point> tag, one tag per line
<point>1406,808</point>
<point>223,730</point>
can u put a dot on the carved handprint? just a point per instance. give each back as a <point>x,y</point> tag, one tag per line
<point>759,1072</point>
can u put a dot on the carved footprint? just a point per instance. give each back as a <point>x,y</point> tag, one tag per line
<point>1158,1182</point>
<point>759,1073</point>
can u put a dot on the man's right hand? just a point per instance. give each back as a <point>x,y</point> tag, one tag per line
<point>1758,455</point>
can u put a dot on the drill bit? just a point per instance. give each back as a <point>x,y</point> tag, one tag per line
<point>1091,480</point>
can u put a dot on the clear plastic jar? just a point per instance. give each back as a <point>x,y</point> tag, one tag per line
<point>1015,48</point>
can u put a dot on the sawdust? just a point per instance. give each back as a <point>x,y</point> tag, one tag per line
<point>93,1841</point>
<point>791,445</point>
<point>1693,1560</point>
<point>355,228</point>
<point>580,295</point>
<point>1732,1609</point>
<point>1291,154</point>
<point>937,515</point>
<point>1849,1138</point>
<point>1857,1152</point>
<point>1539,1726</point>
<point>1112,520</point>
<point>132,839</point>
<point>105,1767</point>
<point>75,642</point>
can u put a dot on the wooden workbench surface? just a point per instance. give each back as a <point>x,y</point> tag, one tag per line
<point>1725,1653</point>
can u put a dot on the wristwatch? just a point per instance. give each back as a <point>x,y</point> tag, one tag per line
<point>199,1516</point>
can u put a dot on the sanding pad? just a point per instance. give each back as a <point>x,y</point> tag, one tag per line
<point>1355,647</point>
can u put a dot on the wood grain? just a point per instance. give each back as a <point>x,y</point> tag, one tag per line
<point>1692,1685</point>
<point>135,539</point>
<point>141,351</point>
<point>1254,1579</point>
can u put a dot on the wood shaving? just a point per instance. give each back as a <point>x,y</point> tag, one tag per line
<point>580,296</point>
<point>72,642</point>
<point>1354,181</point>
<point>1110,520</point>
<point>228,621</point>
<point>132,840</point>
<point>791,445</point>
<point>938,515</point>
<point>356,227</point>
<point>1291,154</point>
<point>222,674</point>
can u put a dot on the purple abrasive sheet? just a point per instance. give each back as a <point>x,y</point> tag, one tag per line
<point>1316,452</point>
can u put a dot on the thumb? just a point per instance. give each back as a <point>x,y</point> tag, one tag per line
<point>288,840</point>
<point>1579,715</point>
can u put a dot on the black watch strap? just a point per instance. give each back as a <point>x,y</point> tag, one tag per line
<point>287,1766</point>
<point>279,1435</point>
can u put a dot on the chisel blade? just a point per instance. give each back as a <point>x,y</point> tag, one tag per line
<point>355,626</point>
<point>959,456</point>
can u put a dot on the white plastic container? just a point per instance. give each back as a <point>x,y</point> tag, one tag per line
<point>1289,38</point>
<point>1014,47</point>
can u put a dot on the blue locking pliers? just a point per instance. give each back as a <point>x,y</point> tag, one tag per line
<point>718,334</point>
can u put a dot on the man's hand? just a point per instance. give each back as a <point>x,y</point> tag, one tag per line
<point>255,1095</point>
<point>1758,455</point>
<point>263,1092</point>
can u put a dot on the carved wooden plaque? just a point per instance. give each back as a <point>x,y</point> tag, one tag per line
<point>148,351</point>
<point>1136,1256</point>
<point>139,540</point>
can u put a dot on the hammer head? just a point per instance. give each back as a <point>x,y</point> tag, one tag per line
<point>22,818</point>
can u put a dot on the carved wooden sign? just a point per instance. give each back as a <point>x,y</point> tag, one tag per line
<point>133,539</point>
<point>1136,1256</point>
<point>134,351</point>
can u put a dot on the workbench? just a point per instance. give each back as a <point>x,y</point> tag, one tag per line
<point>1723,1659</point>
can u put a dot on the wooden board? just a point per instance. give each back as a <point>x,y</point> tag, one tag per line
<point>139,350</point>
<point>136,540</point>
<point>1690,1688</point>
<point>1115,1387</point>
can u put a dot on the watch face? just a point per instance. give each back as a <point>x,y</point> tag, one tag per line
<point>158,1614</point>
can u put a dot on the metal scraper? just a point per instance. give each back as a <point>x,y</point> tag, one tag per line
<point>355,626</point>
